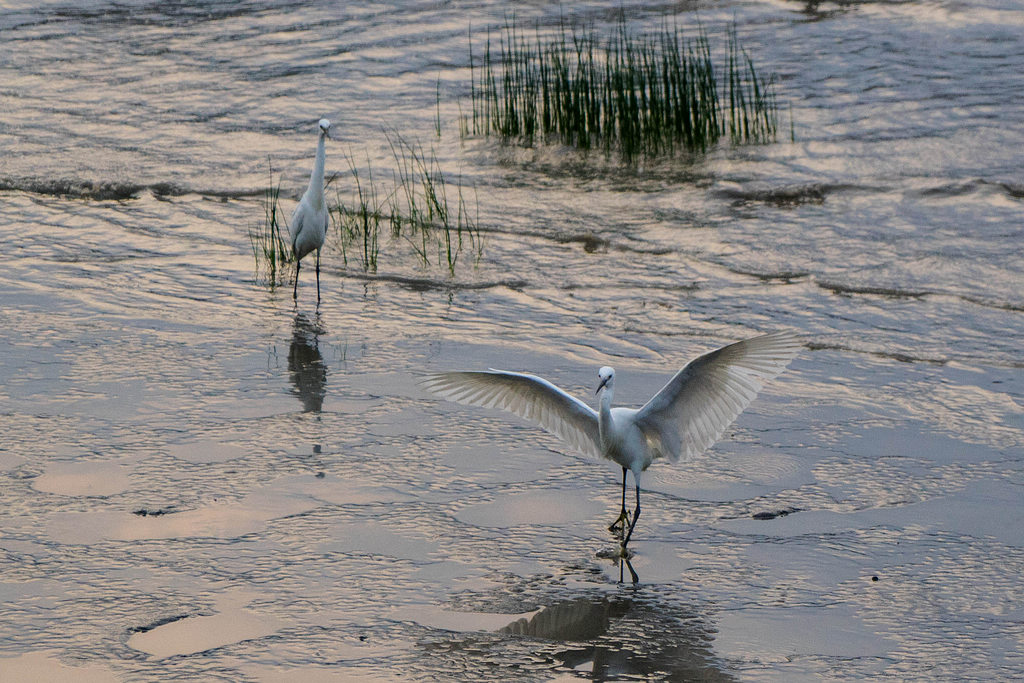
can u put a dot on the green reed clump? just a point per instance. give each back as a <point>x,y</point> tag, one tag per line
<point>358,223</point>
<point>273,255</point>
<point>753,108</point>
<point>416,207</point>
<point>637,95</point>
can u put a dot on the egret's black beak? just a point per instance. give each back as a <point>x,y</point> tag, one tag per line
<point>601,385</point>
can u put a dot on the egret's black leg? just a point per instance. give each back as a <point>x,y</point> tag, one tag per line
<point>295,290</point>
<point>318,276</point>
<point>620,523</point>
<point>636,516</point>
<point>625,563</point>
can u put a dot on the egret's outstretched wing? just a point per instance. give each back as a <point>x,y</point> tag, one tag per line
<point>529,397</point>
<point>694,408</point>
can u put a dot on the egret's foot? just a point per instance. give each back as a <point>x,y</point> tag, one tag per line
<point>619,525</point>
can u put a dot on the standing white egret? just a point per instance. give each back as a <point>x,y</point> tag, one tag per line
<point>680,421</point>
<point>308,226</point>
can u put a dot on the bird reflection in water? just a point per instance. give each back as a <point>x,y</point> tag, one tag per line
<point>616,638</point>
<point>575,620</point>
<point>306,366</point>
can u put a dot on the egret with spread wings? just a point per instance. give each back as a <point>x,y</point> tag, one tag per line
<point>680,421</point>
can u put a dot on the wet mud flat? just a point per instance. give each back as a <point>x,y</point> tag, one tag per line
<point>321,516</point>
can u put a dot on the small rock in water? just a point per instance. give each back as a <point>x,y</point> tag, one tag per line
<point>143,512</point>
<point>159,622</point>
<point>777,513</point>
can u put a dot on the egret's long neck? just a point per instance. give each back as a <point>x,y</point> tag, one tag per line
<point>604,415</point>
<point>316,179</point>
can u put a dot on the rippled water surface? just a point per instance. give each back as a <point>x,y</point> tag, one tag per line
<point>203,481</point>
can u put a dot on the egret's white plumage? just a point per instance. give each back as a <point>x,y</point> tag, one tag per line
<point>682,420</point>
<point>308,225</point>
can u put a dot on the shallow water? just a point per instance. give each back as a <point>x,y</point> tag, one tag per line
<point>204,481</point>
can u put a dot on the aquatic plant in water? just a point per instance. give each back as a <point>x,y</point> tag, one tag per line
<point>416,207</point>
<point>648,95</point>
<point>273,255</point>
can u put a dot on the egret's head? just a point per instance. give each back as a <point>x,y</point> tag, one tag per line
<point>607,377</point>
<point>325,127</point>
